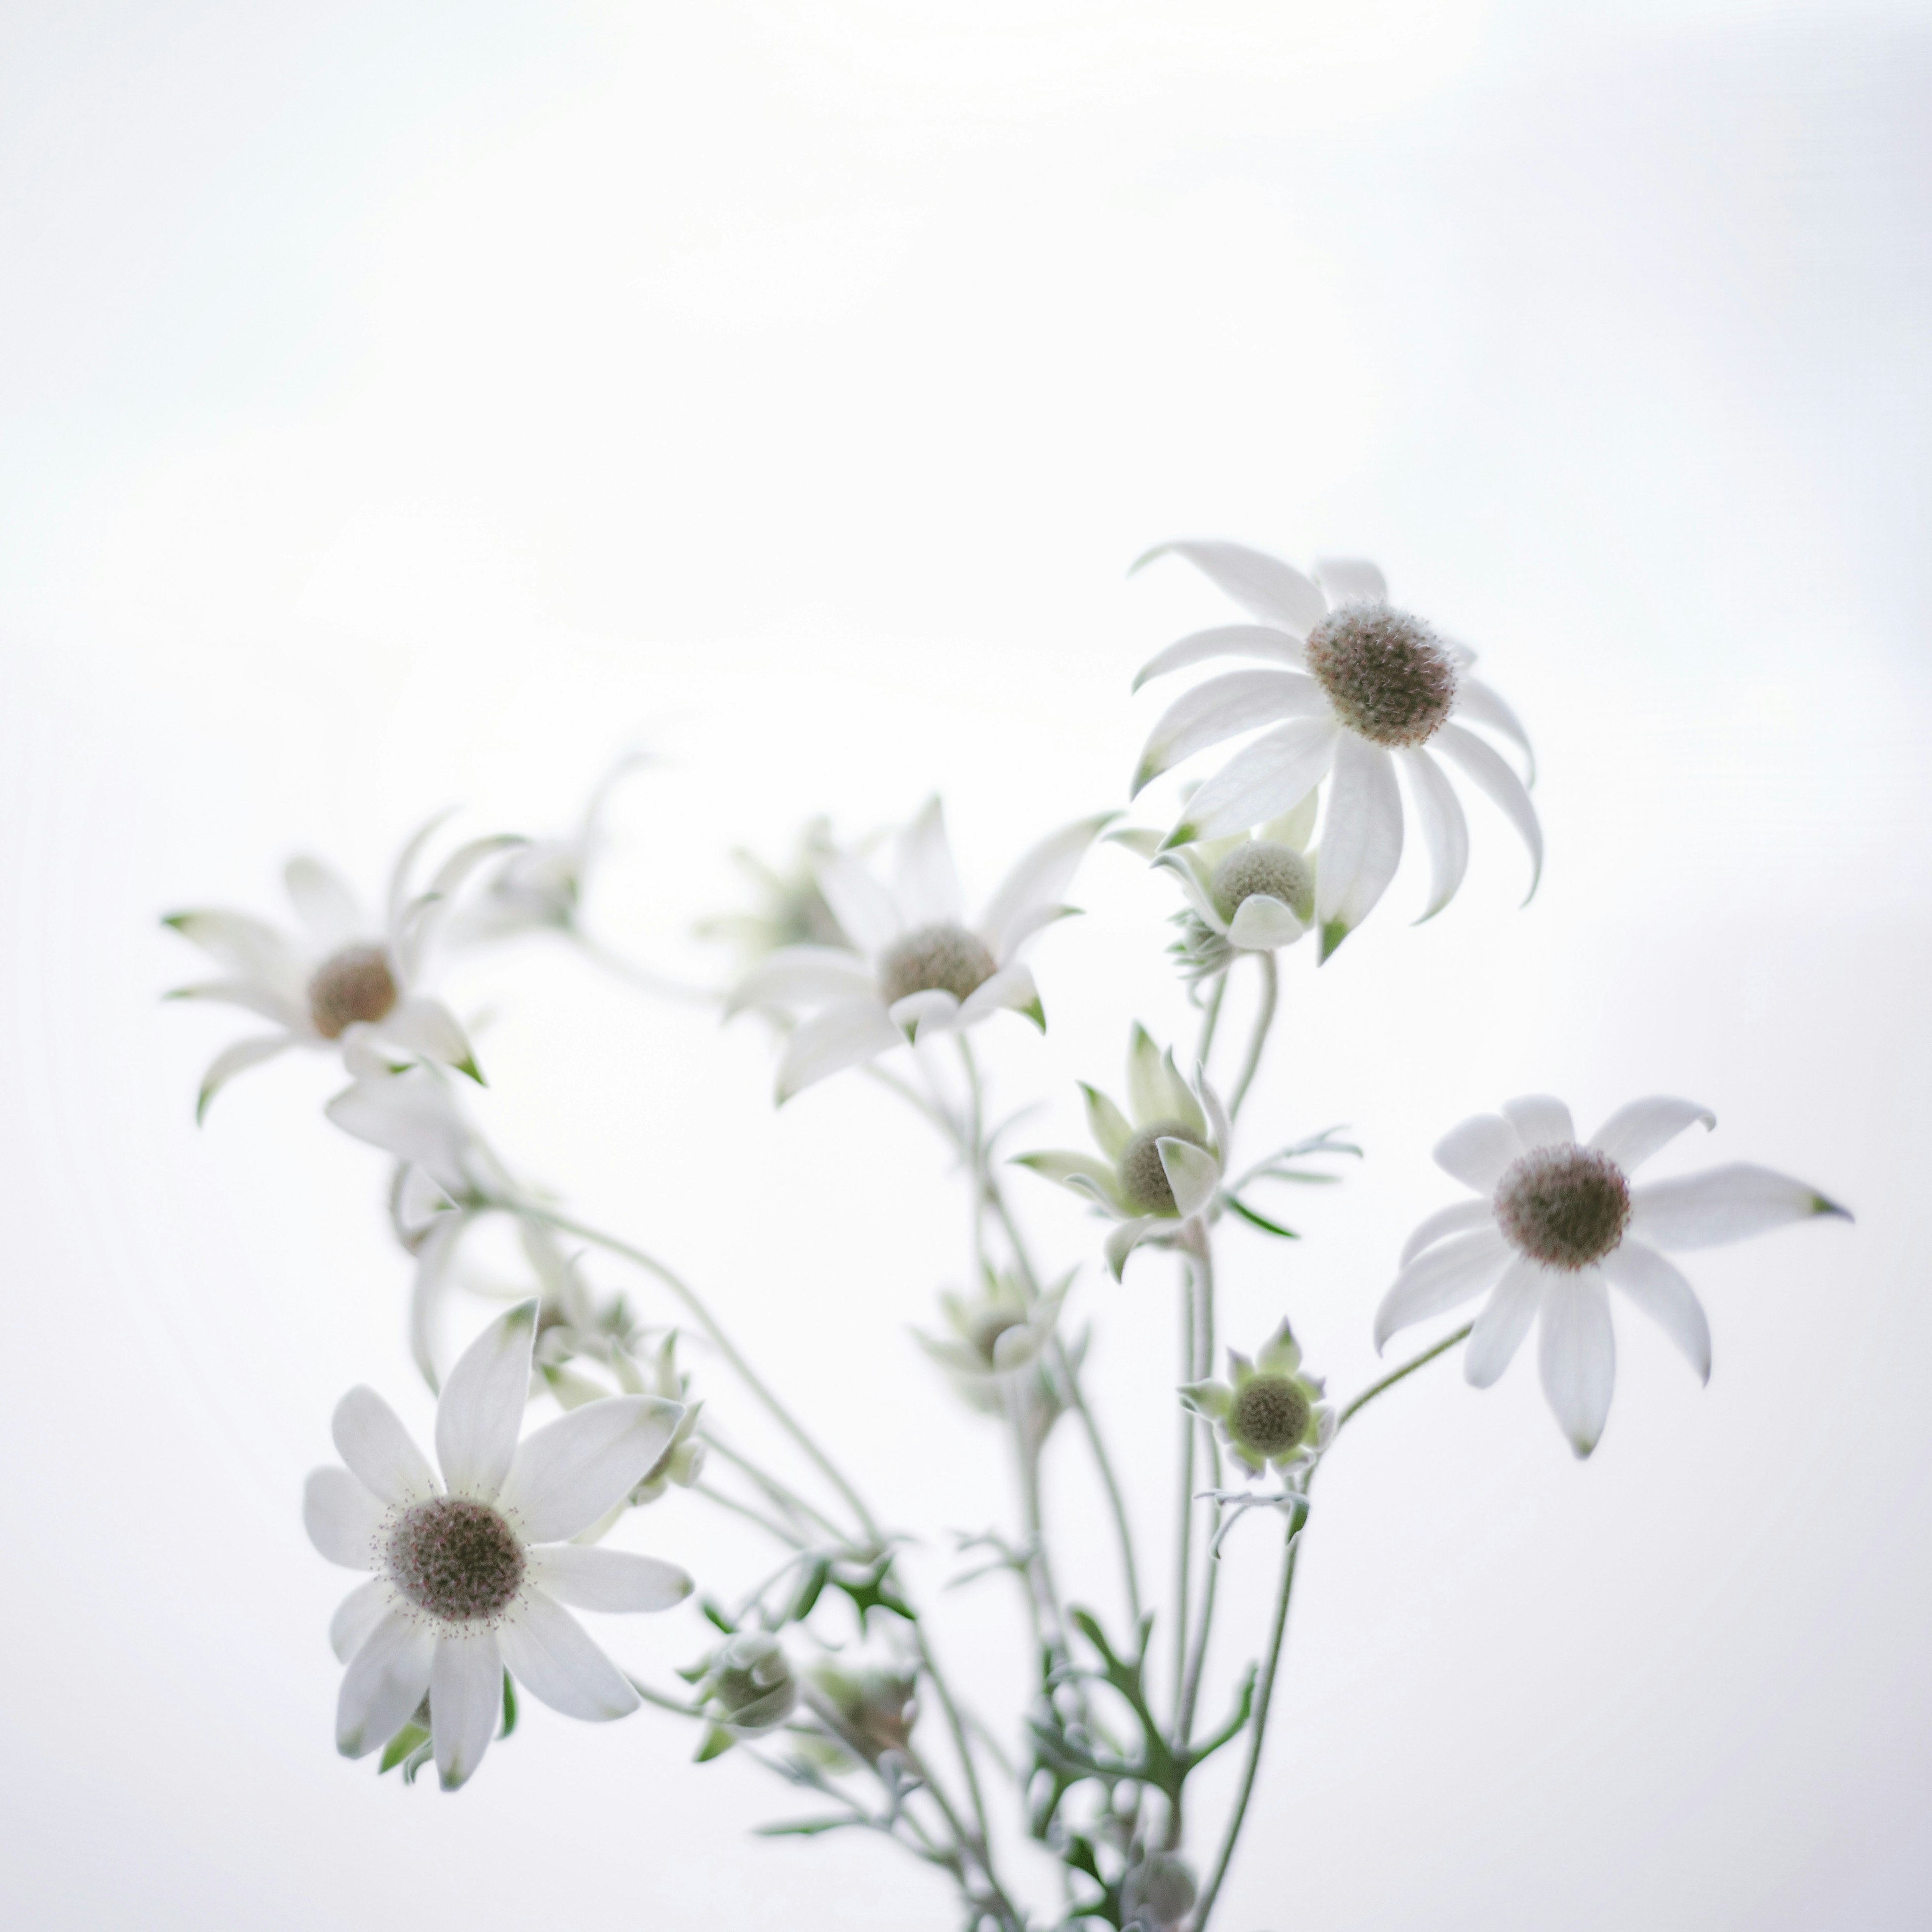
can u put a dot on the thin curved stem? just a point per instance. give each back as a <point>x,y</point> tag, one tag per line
<point>1209,1020</point>
<point>721,1500</point>
<point>1409,1368</point>
<point>786,1498</point>
<point>1264,1020</point>
<point>1116,1502</point>
<point>1184,1527</point>
<point>1190,1688</point>
<point>666,985</point>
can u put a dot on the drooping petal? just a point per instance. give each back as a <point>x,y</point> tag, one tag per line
<point>465,1700</point>
<point>1110,1128</point>
<point>1010,989</point>
<point>481,1412</point>
<point>1194,881</point>
<point>568,1473</point>
<point>428,1029</point>
<point>1271,774</point>
<point>1577,1351</point>
<point>1346,577</point>
<point>434,1258</point>
<point>1458,1219</point>
<point>1475,1151</point>
<point>1657,1288</point>
<point>1477,702</point>
<point>1490,774</point>
<point>1192,1174</point>
<point>840,1036</point>
<point>1704,1211</point>
<point>1219,709</point>
<point>1445,832</point>
<point>412,1116</point>
<point>861,906</point>
<point>1081,1172</point>
<point>1541,1119</point>
<point>1503,1322</point>
<point>1036,884</point>
<point>1633,1133</point>
<point>596,1579</point>
<point>326,904</point>
<point>551,1654</point>
<point>925,882</point>
<point>370,1438</point>
<point>1127,1237</point>
<point>1453,1272</point>
<point>1224,640</point>
<point>384,1684</point>
<point>238,1059</point>
<point>1262,585</point>
<point>1361,844</point>
<point>357,1616</point>
<point>344,1520</point>
<point>1261,923</point>
<point>803,976</point>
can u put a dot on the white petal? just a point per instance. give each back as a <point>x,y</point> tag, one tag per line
<point>465,1703</point>
<point>1110,1129</point>
<point>861,905</point>
<point>1704,1211</point>
<point>384,1684</point>
<point>1035,885</point>
<point>1458,1219</point>
<point>1656,1287</point>
<point>1475,1151</point>
<point>433,1259</point>
<point>1263,586</point>
<point>482,1408</point>
<point>1220,1134</point>
<point>1492,776</point>
<point>253,949</point>
<point>1296,826</point>
<point>1503,1322</point>
<point>1346,577</point>
<point>1221,708</point>
<point>1272,772</point>
<point>327,905</point>
<point>1192,1175</point>
<point>1445,832</point>
<point>357,1616</point>
<point>344,1520</point>
<point>1477,702</point>
<point>1224,640</point>
<point>550,1654</point>
<point>1127,1237</point>
<point>398,898</point>
<point>925,884</point>
<point>238,1059</point>
<point>1633,1133</point>
<point>412,1116</point>
<point>1011,989</point>
<point>252,996</point>
<point>1361,844</point>
<point>427,1028</point>
<point>803,976</point>
<point>1453,1272</point>
<point>594,1578</point>
<point>1577,1352</point>
<point>918,1015</point>
<point>370,1437</point>
<point>840,1037</point>
<point>1261,923</point>
<point>1541,1119</point>
<point>1148,1096</point>
<point>570,1472</point>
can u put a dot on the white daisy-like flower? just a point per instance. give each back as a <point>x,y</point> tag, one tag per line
<point>1557,1223</point>
<point>472,1572</point>
<point>347,980</point>
<point>914,967</point>
<point>1270,1414</point>
<point>1364,690</point>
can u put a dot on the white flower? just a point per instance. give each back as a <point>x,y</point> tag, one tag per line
<point>1557,1223</point>
<point>345,981</point>
<point>472,1572</point>
<point>1365,688</point>
<point>1270,1414</point>
<point>914,967</point>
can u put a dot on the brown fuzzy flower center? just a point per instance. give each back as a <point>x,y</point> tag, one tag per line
<point>458,1560</point>
<point>356,984</point>
<point>1262,866</point>
<point>1143,1180</point>
<point>1270,1414</point>
<point>1387,677</point>
<point>1565,1207</point>
<point>935,959</point>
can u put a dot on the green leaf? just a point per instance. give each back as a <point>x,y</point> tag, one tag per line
<point>715,1743</point>
<point>1260,1221</point>
<point>713,1614</point>
<point>808,1591</point>
<point>509,1707</point>
<point>803,1828</point>
<point>875,1592</point>
<point>410,1738</point>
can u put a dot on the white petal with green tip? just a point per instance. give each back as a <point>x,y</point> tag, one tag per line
<point>1221,708</point>
<point>1257,782</point>
<point>1361,844</point>
<point>1657,1288</point>
<point>1505,1320</point>
<point>567,1474</point>
<point>466,1703</point>
<point>1263,586</point>
<point>553,1656</point>
<point>1504,788</point>
<point>1577,1353</point>
<point>1191,1173</point>
<point>384,1684</point>
<point>1728,1203</point>
<point>1634,1132</point>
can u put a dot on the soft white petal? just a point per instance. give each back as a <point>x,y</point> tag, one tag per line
<point>238,1059</point>
<point>840,1037</point>
<point>1361,843</point>
<point>357,1616</point>
<point>550,1654</point>
<point>1110,1129</point>
<point>396,901</point>
<point>481,1412</point>
<point>1128,1236</point>
<point>1194,882</point>
<point>412,1116</point>
<point>1192,1175</point>
<point>327,904</point>
<point>1503,1322</point>
<point>1458,1219</point>
<point>1012,987</point>
<point>1296,826</point>
<point>1451,1272</point>
<point>1015,935</point>
<point>1477,702</point>
<point>1445,832</point>
<point>1704,1211</point>
<point>1490,774</point>
<point>1343,578</point>
<point>1219,709</point>
<point>568,1473</point>
<point>255,950</point>
<point>252,996</point>
<point>1476,1151</point>
<point>1220,1134</point>
<point>1272,772</point>
<point>1633,1133</point>
<point>861,906</point>
<point>1147,1093</point>
<point>370,1437</point>
<point>1541,1119</point>
<point>1036,884</point>
<point>925,881</point>
<point>1262,585</point>
<point>344,1520</point>
<point>595,1578</point>
<point>1178,1102</point>
<point>920,1015</point>
<point>803,975</point>
<point>384,1684</point>
<point>1656,1287</point>
<point>428,1029</point>
<point>1080,1171</point>
<point>1576,1351</point>
<point>1261,923</point>
<point>1224,640</point>
<point>466,1703</point>
<point>434,1258</point>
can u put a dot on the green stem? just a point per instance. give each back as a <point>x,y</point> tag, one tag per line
<point>1190,1689</point>
<point>1264,1020</point>
<point>1184,1528</point>
<point>1116,1502</point>
<point>1210,1020</point>
<point>787,1499</point>
<point>764,1522</point>
<point>1388,1381</point>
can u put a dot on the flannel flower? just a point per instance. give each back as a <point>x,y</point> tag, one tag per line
<point>1269,1413</point>
<point>1557,1224</point>
<point>1364,690</point>
<point>471,1572</point>
<point>1162,1167</point>
<point>913,967</point>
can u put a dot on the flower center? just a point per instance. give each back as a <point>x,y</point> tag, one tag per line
<point>1387,677</point>
<point>935,959</point>
<point>1262,866</point>
<point>459,1560</point>
<point>356,984</point>
<point>1270,1414</point>
<point>1565,1207</point>
<point>1143,1180</point>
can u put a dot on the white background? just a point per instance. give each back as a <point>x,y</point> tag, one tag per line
<point>418,405</point>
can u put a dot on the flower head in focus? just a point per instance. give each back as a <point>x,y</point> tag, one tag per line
<point>347,981</point>
<point>1363,689</point>
<point>1161,1167</point>
<point>912,968</point>
<point>1270,1414</point>
<point>471,1571</point>
<point>1557,1224</point>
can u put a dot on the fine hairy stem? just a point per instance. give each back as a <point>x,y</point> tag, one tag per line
<point>1209,1020</point>
<point>1184,1534</point>
<point>1203,1349</point>
<point>1409,1368</point>
<point>719,1500</point>
<point>1264,1020</point>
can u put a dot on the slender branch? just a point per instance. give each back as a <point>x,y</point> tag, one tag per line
<point>1388,1381</point>
<point>660,1700</point>
<point>1190,1688</point>
<point>666,985</point>
<point>1184,1529</point>
<point>718,1497</point>
<point>1210,1020</point>
<point>786,1498</point>
<point>1116,1502</point>
<point>1264,1020</point>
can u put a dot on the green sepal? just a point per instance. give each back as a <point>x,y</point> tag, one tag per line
<point>715,1743</point>
<point>1332,933</point>
<point>411,1738</point>
<point>808,1591</point>
<point>875,1592</point>
<point>803,1828</point>
<point>1261,1221</point>
<point>509,1708</point>
<point>712,1614</point>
